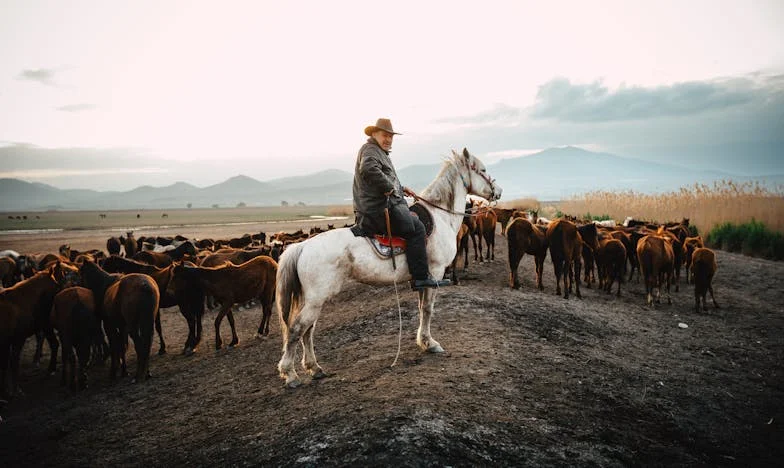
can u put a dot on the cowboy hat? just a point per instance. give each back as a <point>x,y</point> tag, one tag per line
<point>381,124</point>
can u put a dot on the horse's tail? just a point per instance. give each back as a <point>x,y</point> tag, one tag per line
<point>288,289</point>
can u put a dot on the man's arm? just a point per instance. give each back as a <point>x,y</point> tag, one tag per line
<point>370,170</point>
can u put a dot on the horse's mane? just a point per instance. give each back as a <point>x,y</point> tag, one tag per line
<point>440,190</point>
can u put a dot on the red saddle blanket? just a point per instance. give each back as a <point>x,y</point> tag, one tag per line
<point>391,242</point>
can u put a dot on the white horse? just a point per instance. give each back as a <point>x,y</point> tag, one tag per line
<point>312,271</point>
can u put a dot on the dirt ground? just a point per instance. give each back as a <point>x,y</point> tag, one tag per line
<point>528,379</point>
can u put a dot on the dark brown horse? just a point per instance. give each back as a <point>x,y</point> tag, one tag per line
<point>235,256</point>
<point>24,311</point>
<point>128,305</point>
<point>231,284</point>
<point>7,272</point>
<point>76,321</point>
<point>610,263</point>
<point>164,259</point>
<point>113,246</point>
<point>130,244</point>
<point>162,277</point>
<point>589,234</point>
<point>523,238</point>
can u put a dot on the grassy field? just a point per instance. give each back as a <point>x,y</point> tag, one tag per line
<point>132,219</point>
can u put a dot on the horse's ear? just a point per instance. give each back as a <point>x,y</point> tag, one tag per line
<point>466,154</point>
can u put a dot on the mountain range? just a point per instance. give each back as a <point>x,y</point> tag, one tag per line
<point>552,174</point>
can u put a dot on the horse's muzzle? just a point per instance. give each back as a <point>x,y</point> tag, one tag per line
<point>495,193</point>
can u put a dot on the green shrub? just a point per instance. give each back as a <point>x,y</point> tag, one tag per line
<point>752,238</point>
<point>604,217</point>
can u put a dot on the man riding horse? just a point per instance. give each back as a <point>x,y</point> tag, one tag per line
<point>376,187</point>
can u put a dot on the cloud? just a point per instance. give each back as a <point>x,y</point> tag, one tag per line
<point>76,107</point>
<point>562,100</point>
<point>41,75</point>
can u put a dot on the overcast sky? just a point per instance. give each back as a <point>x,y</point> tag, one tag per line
<point>105,95</point>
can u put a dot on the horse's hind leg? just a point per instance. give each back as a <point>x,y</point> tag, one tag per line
<point>162,344</point>
<point>425,341</point>
<point>39,348</point>
<point>235,340</point>
<point>83,354</point>
<point>54,344</point>
<point>302,323</point>
<point>309,362</point>
<point>218,320</point>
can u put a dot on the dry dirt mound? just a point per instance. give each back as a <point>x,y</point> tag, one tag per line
<point>528,379</point>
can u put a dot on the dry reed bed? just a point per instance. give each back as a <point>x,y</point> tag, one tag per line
<point>707,206</point>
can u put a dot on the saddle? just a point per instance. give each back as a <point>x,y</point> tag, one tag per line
<point>386,246</point>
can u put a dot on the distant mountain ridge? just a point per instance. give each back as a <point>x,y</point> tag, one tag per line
<point>551,174</point>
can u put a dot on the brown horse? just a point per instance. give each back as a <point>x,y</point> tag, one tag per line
<point>162,277</point>
<point>703,269</point>
<point>689,246</point>
<point>523,238</point>
<point>565,248</point>
<point>24,311</point>
<point>486,222</point>
<point>462,247</point>
<point>79,328</point>
<point>231,284</point>
<point>128,305</point>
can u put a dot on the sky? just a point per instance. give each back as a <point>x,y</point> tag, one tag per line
<point>113,95</point>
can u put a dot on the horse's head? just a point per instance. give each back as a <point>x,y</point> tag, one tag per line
<point>64,275</point>
<point>475,177</point>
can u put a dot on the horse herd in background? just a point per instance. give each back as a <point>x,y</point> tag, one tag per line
<point>606,250</point>
<point>90,297</point>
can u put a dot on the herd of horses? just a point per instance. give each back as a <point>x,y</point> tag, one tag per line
<point>94,301</point>
<point>90,297</point>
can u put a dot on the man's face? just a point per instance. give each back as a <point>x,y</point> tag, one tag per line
<point>384,139</point>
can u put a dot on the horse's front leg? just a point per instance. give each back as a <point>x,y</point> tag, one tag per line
<point>427,298</point>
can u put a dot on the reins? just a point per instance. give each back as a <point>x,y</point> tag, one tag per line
<point>472,212</point>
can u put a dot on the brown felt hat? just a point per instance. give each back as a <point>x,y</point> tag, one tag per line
<point>381,124</point>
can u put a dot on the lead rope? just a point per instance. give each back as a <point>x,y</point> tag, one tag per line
<point>400,325</point>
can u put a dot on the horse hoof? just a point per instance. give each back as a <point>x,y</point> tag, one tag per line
<point>320,374</point>
<point>435,349</point>
<point>188,351</point>
<point>161,352</point>
<point>293,384</point>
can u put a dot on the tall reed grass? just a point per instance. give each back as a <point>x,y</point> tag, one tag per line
<point>706,206</point>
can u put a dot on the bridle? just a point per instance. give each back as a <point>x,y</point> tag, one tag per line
<point>478,211</point>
